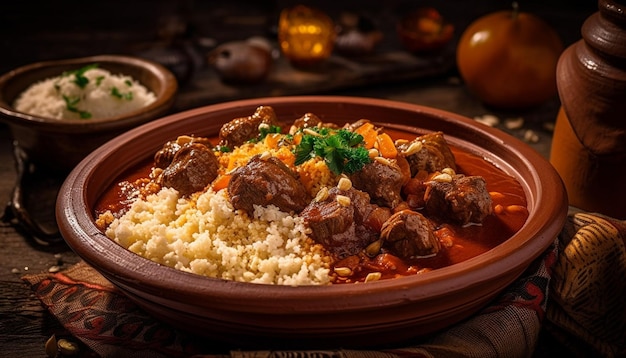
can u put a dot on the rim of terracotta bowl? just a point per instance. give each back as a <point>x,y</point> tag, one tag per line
<point>151,74</point>
<point>547,203</point>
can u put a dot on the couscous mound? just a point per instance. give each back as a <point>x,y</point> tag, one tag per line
<point>205,235</point>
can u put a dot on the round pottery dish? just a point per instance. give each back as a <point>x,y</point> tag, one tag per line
<point>61,144</point>
<point>247,315</point>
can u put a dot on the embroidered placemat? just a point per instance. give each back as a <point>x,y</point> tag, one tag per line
<point>576,288</point>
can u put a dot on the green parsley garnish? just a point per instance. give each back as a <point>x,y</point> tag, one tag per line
<point>116,93</point>
<point>264,131</point>
<point>342,150</point>
<point>99,80</point>
<point>128,83</point>
<point>71,103</point>
<point>79,75</point>
<point>223,149</point>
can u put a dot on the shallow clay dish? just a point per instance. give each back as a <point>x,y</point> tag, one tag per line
<point>63,143</point>
<point>244,315</point>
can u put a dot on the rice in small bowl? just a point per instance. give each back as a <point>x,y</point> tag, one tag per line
<point>85,93</point>
<point>60,144</point>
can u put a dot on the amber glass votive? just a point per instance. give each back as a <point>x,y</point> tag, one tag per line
<point>306,35</point>
<point>424,30</point>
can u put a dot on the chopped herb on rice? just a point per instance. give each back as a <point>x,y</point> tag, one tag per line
<point>88,92</point>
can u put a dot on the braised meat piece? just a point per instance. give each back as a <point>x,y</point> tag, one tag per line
<point>308,120</point>
<point>344,221</point>
<point>414,190</point>
<point>193,167</point>
<point>266,181</point>
<point>382,180</point>
<point>241,130</point>
<point>461,199</point>
<point>166,154</point>
<point>429,152</point>
<point>409,234</point>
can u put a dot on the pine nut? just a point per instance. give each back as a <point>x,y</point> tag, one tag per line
<point>322,194</point>
<point>344,184</point>
<point>343,271</point>
<point>443,178</point>
<point>413,148</point>
<point>449,171</point>
<point>373,276</point>
<point>265,155</point>
<point>343,200</point>
<point>311,132</point>
<point>382,160</point>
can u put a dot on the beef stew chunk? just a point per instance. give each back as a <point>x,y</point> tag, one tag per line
<point>344,226</point>
<point>463,199</point>
<point>192,168</point>
<point>240,130</point>
<point>308,120</point>
<point>429,152</point>
<point>266,181</point>
<point>166,154</point>
<point>382,180</point>
<point>415,189</point>
<point>409,234</point>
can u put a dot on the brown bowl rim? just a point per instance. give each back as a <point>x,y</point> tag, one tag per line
<point>543,226</point>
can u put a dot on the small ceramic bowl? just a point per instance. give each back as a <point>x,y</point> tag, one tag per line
<point>48,148</point>
<point>61,144</point>
<point>259,316</point>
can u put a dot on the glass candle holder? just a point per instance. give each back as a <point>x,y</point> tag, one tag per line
<point>424,30</point>
<point>306,35</point>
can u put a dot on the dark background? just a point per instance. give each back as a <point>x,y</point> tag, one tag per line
<point>33,31</point>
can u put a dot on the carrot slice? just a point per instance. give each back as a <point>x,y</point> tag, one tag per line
<point>221,182</point>
<point>386,146</point>
<point>286,156</point>
<point>271,140</point>
<point>297,138</point>
<point>369,134</point>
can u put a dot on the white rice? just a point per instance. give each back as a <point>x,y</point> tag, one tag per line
<point>206,236</point>
<point>106,95</point>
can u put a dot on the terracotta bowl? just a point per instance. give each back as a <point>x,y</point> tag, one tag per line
<point>62,144</point>
<point>244,315</point>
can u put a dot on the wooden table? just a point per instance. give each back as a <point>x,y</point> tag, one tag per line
<point>25,325</point>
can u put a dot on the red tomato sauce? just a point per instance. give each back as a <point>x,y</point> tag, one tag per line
<point>461,242</point>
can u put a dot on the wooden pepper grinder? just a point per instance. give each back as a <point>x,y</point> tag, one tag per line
<point>589,143</point>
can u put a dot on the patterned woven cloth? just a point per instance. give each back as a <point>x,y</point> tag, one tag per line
<point>587,307</point>
<point>576,288</point>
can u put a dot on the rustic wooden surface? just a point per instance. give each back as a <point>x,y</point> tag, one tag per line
<point>24,324</point>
